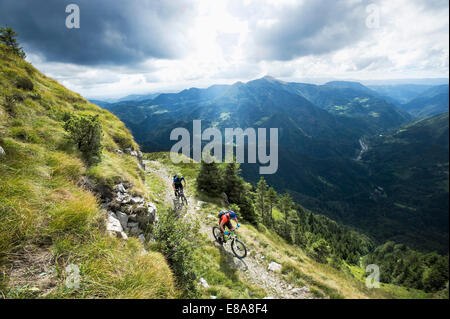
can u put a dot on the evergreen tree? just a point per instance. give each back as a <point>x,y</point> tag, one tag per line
<point>209,178</point>
<point>286,207</point>
<point>232,182</point>
<point>261,200</point>
<point>8,37</point>
<point>272,200</point>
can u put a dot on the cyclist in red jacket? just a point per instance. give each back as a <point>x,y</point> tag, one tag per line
<point>225,217</point>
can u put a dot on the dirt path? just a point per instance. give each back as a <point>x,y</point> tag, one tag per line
<point>253,267</point>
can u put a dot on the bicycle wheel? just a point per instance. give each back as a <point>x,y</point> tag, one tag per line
<point>216,233</point>
<point>185,200</point>
<point>239,248</point>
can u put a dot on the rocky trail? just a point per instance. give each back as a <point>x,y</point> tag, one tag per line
<point>254,268</point>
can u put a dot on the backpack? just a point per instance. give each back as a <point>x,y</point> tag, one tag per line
<point>223,212</point>
<point>178,180</point>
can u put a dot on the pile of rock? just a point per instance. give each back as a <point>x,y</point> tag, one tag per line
<point>128,214</point>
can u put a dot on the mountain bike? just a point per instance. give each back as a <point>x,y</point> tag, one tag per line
<point>180,199</point>
<point>237,246</point>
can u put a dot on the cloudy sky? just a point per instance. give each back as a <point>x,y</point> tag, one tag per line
<point>142,46</point>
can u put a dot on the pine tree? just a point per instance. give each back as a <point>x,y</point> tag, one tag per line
<point>209,178</point>
<point>261,200</point>
<point>272,200</point>
<point>286,207</point>
<point>232,182</point>
<point>8,37</point>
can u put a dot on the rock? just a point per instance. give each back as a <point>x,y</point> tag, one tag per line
<point>304,289</point>
<point>268,297</point>
<point>200,203</point>
<point>204,283</point>
<point>213,297</point>
<point>132,217</point>
<point>211,216</point>
<point>134,153</point>
<point>300,290</point>
<point>132,225</point>
<point>135,231</point>
<point>119,151</point>
<point>123,218</point>
<point>2,151</point>
<point>112,214</point>
<point>143,252</point>
<point>141,238</point>
<point>136,200</point>
<point>120,188</point>
<point>113,225</point>
<point>275,267</point>
<point>124,235</point>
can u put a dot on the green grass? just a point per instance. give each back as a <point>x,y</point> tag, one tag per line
<point>45,216</point>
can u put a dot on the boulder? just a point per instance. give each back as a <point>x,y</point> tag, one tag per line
<point>123,218</point>
<point>113,225</point>
<point>112,214</point>
<point>275,267</point>
<point>2,151</point>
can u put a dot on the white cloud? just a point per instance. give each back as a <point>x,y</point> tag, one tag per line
<point>411,41</point>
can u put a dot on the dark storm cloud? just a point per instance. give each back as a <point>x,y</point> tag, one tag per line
<point>310,27</point>
<point>112,32</point>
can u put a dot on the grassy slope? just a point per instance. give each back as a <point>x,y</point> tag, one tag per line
<point>298,269</point>
<point>47,221</point>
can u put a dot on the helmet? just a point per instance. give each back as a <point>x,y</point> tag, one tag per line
<point>232,214</point>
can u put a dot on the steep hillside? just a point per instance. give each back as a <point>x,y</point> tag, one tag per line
<point>430,102</point>
<point>50,200</point>
<point>222,275</point>
<point>411,166</point>
<point>300,275</point>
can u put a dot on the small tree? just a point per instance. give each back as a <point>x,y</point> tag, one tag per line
<point>8,38</point>
<point>209,178</point>
<point>272,200</point>
<point>86,132</point>
<point>319,250</point>
<point>261,199</point>
<point>286,205</point>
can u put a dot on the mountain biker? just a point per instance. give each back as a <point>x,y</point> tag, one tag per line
<point>225,217</point>
<point>178,181</point>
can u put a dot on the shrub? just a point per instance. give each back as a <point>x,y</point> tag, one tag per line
<point>24,83</point>
<point>86,132</point>
<point>175,241</point>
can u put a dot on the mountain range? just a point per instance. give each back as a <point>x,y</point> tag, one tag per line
<point>324,133</point>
